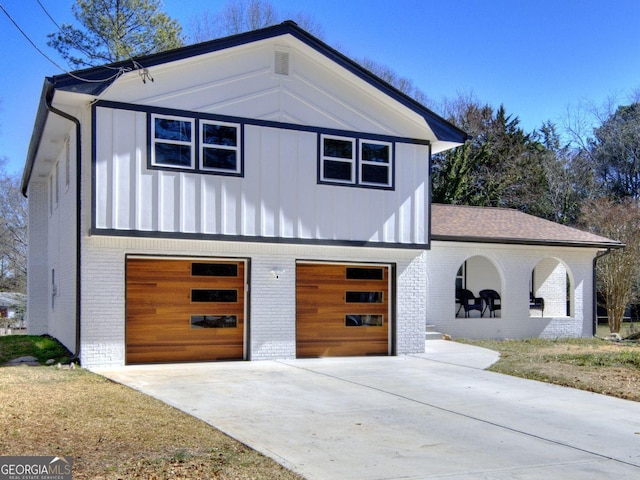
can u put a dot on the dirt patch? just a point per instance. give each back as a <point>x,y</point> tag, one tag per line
<point>114,432</point>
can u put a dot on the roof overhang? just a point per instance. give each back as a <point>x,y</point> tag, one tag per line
<point>530,242</point>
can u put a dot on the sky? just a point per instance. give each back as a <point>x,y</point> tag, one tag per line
<point>538,58</point>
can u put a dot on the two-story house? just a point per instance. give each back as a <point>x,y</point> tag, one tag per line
<point>253,197</point>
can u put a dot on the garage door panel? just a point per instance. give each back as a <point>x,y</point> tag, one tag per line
<point>160,309</point>
<point>324,299</point>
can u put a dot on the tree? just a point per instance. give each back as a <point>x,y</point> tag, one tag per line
<point>501,166</point>
<point>619,271</point>
<point>615,149</point>
<point>115,30</point>
<point>13,233</point>
<point>239,16</point>
<point>569,176</point>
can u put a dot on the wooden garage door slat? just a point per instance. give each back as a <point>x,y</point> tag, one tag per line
<point>321,308</point>
<point>160,307</point>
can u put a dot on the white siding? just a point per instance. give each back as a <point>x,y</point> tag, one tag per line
<point>240,81</point>
<point>279,196</point>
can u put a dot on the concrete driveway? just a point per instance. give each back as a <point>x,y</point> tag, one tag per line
<point>432,415</point>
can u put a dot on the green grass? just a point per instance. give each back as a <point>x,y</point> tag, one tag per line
<point>41,347</point>
<point>626,329</point>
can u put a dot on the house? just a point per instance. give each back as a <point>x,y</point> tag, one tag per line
<point>254,197</point>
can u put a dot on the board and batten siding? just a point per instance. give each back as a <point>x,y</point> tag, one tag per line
<point>278,196</point>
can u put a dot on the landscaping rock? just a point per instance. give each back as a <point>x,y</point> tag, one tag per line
<point>28,360</point>
<point>51,361</point>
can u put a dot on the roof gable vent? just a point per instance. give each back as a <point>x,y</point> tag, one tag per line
<point>281,64</point>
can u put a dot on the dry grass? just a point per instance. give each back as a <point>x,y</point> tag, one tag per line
<point>114,432</point>
<point>588,364</point>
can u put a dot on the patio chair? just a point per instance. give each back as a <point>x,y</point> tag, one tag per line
<point>468,301</point>
<point>536,303</point>
<point>491,300</point>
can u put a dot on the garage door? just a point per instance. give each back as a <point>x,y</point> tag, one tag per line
<point>342,310</point>
<point>184,310</point>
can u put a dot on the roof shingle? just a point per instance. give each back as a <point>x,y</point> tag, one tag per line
<point>503,225</point>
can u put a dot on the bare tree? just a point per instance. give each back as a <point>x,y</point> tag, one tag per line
<point>13,233</point>
<point>619,272</point>
<point>238,16</point>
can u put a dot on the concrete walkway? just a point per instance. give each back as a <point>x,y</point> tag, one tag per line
<point>432,415</point>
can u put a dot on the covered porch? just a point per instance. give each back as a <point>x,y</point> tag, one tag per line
<point>532,278</point>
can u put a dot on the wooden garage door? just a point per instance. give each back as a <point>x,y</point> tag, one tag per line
<point>342,310</point>
<point>184,310</point>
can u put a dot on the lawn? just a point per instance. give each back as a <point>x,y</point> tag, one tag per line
<point>109,430</point>
<point>592,364</point>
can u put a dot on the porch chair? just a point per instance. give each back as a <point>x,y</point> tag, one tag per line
<point>536,303</point>
<point>468,301</point>
<point>491,300</point>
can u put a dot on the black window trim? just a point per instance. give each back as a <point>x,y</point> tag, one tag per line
<point>196,145</point>
<point>357,182</point>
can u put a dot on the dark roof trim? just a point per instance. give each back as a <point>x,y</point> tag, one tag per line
<point>88,81</point>
<point>38,129</point>
<point>111,232</point>
<point>524,241</point>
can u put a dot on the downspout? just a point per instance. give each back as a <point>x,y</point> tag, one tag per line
<point>595,289</point>
<point>51,108</point>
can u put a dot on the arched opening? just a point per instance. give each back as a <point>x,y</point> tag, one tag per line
<point>478,289</point>
<point>550,291</point>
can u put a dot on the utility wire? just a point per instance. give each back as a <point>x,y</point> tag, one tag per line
<point>66,36</point>
<point>120,71</point>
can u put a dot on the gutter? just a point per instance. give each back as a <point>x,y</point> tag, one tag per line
<point>48,97</point>
<point>524,241</point>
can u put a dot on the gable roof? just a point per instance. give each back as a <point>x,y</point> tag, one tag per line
<point>507,226</point>
<point>91,82</point>
<point>99,78</point>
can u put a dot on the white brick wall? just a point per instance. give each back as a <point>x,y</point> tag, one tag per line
<point>271,301</point>
<point>37,264</point>
<point>513,266</point>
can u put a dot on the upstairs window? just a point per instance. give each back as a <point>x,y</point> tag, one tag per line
<point>195,144</point>
<point>357,162</point>
<point>173,142</point>
<point>219,147</point>
<point>338,160</point>
<point>375,163</point>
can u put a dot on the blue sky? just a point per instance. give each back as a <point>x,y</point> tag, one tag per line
<point>535,57</point>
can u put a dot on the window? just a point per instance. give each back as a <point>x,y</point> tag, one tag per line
<point>51,195</point>
<point>195,144</point>
<point>375,163</point>
<point>67,162</point>
<point>214,269</point>
<point>219,147</point>
<point>352,161</point>
<point>172,142</point>
<point>366,320</point>
<point>56,184</point>
<point>364,273</point>
<point>338,160</point>
<point>364,297</point>
<point>218,295</point>
<point>214,321</point>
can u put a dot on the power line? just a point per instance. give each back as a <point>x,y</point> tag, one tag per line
<point>120,71</point>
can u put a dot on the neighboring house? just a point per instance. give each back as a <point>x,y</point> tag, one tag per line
<point>12,307</point>
<point>253,197</point>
